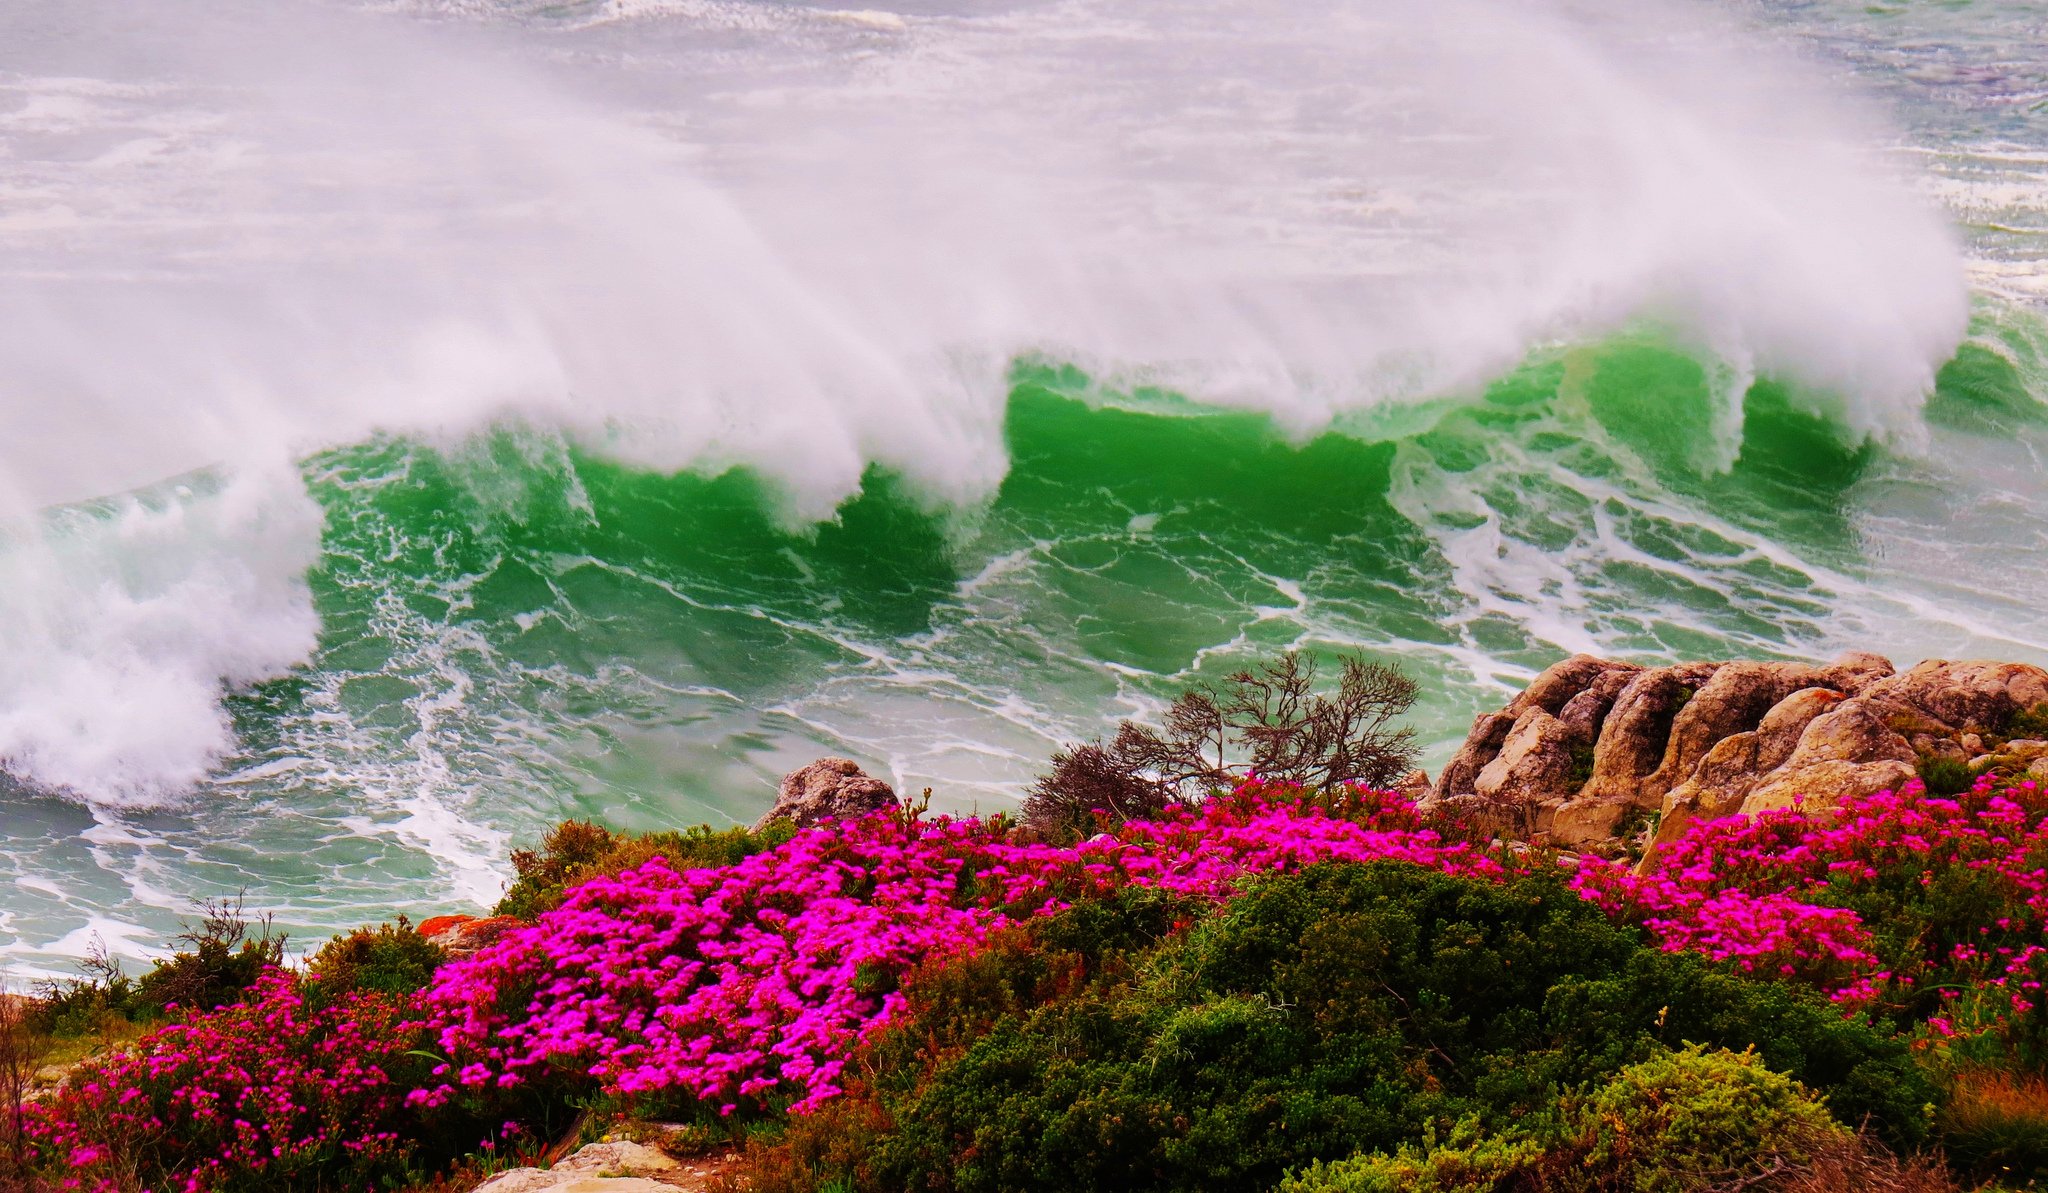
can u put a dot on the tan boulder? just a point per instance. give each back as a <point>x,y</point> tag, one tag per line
<point>1637,732</point>
<point>1822,787</point>
<point>830,788</point>
<point>1856,670</point>
<point>1778,734</point>
<point>1558,686</point>
<point>1724,777</point>
<point>1967,694</point>
<point>462,936</point>
<point>617,1158</point>
<point>1734,701</point>
<point>1482,745</point>
<point>1584,823</point>
<point>1534,763</point>
<point>611,1167</point>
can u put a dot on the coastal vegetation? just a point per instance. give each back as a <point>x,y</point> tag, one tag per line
<point>1299,981</point>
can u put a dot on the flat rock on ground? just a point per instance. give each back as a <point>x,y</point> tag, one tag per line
<point>613,1167</point>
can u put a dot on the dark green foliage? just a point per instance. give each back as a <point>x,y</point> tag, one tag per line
<point>389,959</point>
<point>226,952</point>
<point>1581,771</point>
<point>576,850</point>
<point>1946,776</point>
<point>1682,1120</point>
<point>1343,1010</point>
<point>2030,723</point>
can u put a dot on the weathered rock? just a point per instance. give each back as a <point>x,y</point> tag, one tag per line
<point>1849,751</point>
<point>617,1158</point>
<point>1724,777</point>
<point>1585,713</point>
<point>612,1167</point>
<point>1580,823</point>
<point>1560,683</point>
<point>1734,701</point>
<point>1712,739</point>
<point>1822,787</point>
<point>1855,671</point>
<point>1970,694</point>
<point>1552,692</point>
<point>543,1180</point>
<point>829,788</point>
<point>1534,763</point>
<point>1637,733</point>
<point>1482,743</point>
<point>465,935</point>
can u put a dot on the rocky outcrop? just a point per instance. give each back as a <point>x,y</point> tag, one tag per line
<point>465,935</point>
<point>829,787</point>
<point>1593,745</point>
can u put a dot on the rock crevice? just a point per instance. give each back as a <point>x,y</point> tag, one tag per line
<point>1595,746</point>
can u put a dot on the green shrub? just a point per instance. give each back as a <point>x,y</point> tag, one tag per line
<point>1946,776</point>
<point>1469,1161</point>
<point>1692,1118</point>
<point>577,850</point>
<point>1347,1009</point>
<point>1680,1121</point>
<point>388,959</point>
<point>226,952</point>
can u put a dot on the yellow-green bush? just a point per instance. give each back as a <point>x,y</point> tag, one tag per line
<point>1683,1121</point>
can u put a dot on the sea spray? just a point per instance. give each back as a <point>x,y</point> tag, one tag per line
<point>628,359</point>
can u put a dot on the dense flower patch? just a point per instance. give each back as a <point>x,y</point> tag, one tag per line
<point>252,1095</point>
<point>1903,901</point>
<point>746,986</point>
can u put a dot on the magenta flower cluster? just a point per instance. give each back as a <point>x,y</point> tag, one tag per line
<point>747,986</point>
<point>1883,895</point>
<point>265,1091</point>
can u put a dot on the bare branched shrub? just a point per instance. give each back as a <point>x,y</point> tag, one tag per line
<point>22,1048</point>
<point>1858,1164</point>
<point>228,950</point>
<point>1267,720</point>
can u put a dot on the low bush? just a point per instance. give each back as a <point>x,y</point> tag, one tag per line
<point>391,959</point>
<point>1995,1126</point>
<point>1680,1121</point>
<point>576,851</point>
<point>1346,1009</point>
<point>743,989</point>
<point>1911,906</point>
<point>269,1094</point>
<point>223,956</point>
<point>1267,721</point>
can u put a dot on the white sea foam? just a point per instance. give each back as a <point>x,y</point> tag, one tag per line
<point>246,230</point>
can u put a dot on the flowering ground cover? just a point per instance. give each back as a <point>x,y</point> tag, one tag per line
<point>1920,908</point>
<point>746,986</point>
<point>741,990</point>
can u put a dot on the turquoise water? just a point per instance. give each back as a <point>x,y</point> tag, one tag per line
<point>512,621</point>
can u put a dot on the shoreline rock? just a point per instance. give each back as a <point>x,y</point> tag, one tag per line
<point>1594,748</point>
<point>830,788</point>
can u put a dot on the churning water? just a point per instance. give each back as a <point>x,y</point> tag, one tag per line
<point>424,420</point>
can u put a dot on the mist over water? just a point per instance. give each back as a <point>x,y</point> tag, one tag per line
<point>420,422</point>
